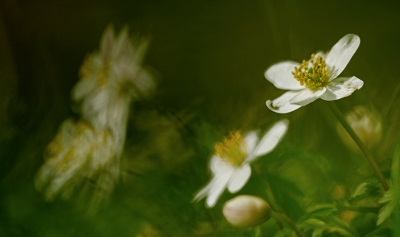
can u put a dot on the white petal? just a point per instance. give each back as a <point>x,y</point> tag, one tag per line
<point>307,96</point>
<point>239,178</point>
<point>282,105</point>
<point>251,140</point>
<point>106,42</point>
<point>270,140</point>
<point>218,186</point>
<point>83,88</point>
<point>281,76</point>
<point>204,191</point>
<point>219,165</point>
<point>122,46</point>
<point>341,53</point>
<point>320,53</point>
<point>341,87</point>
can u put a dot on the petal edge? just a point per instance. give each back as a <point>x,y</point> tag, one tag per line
<point>341,53</point>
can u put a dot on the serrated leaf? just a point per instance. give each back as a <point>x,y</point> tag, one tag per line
<point>360,190</point>
<point>327,225</point>
<point>366,190</point>
<point>387,196</point>
<point>386,210</point>
<point>320,210</point>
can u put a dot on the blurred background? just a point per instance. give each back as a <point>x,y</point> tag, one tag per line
<point>209,58</point>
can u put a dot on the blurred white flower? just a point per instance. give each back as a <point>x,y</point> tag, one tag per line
<point>366,123</point>
<point>246,211</point>
<point>230,166</point>
<point>111,78</point>
<point>77,152</point>
<point>90,149</point>
<point>316,78</point>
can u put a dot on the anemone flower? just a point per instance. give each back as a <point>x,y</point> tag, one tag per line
<point>90,149</point>
<point>316,78</point>
<point>230,165</point>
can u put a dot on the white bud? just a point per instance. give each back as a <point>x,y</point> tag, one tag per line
<point>246,211</point>
<point>366,123</point>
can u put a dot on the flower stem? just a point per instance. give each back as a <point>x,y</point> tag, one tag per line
<point>283,218</point>
<point>359,143</point>
<point>278,214</point>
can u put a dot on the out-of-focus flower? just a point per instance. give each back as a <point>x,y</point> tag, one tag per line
<point>316,78</point>
<point>366,123</point>
<point>111,78</point>
<point>90,149</point>
<point>77,152</point>
<point>246,211</point>
<point>230,166</point>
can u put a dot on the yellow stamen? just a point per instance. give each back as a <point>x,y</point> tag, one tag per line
<point>314,75</point>
<point>233,148</point>
<point>103,73</point>
<point>88,69</point>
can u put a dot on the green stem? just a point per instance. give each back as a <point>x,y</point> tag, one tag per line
<point>359,143</point>
<point>283,218</point>
<point>278,214</point>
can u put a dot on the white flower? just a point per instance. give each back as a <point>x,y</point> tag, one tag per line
<point>90,149</point>
<point>111,78</point>
<point>77,153</point>
<point>230,166</point>
<point>316,78</point>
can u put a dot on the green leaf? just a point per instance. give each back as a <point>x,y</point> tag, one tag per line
<point>380,232</point>
<point>360,190</point>
<point>387,209</point>
<point>320,211</point>
<point>330,224</point>
<point>392,196</point>
<point>287,232</point>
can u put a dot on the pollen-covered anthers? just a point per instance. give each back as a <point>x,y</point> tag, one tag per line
<point>99,70</point>
<point>233,148</point>
<point>313,73</point>
<point>74,141</point>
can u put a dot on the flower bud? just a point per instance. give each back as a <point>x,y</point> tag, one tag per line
<point>366,123</point>
<point>246,211</point>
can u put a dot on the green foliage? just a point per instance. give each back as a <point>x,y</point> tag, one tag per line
<point>391,197</point>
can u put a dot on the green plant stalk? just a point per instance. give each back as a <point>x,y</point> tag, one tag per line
<point>395,187</point>
<point>278,215</point>
<point>359,143</point>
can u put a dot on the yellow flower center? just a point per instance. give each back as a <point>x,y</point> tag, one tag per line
<point>101,73</point>
<point>233,148</point>
<point>313,73</point>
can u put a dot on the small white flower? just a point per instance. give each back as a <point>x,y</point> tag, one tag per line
<point>90,149</point>
<point>230,166</point>
<point>110,78</point>
<point>78,152</point>
<point>316,78</point>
